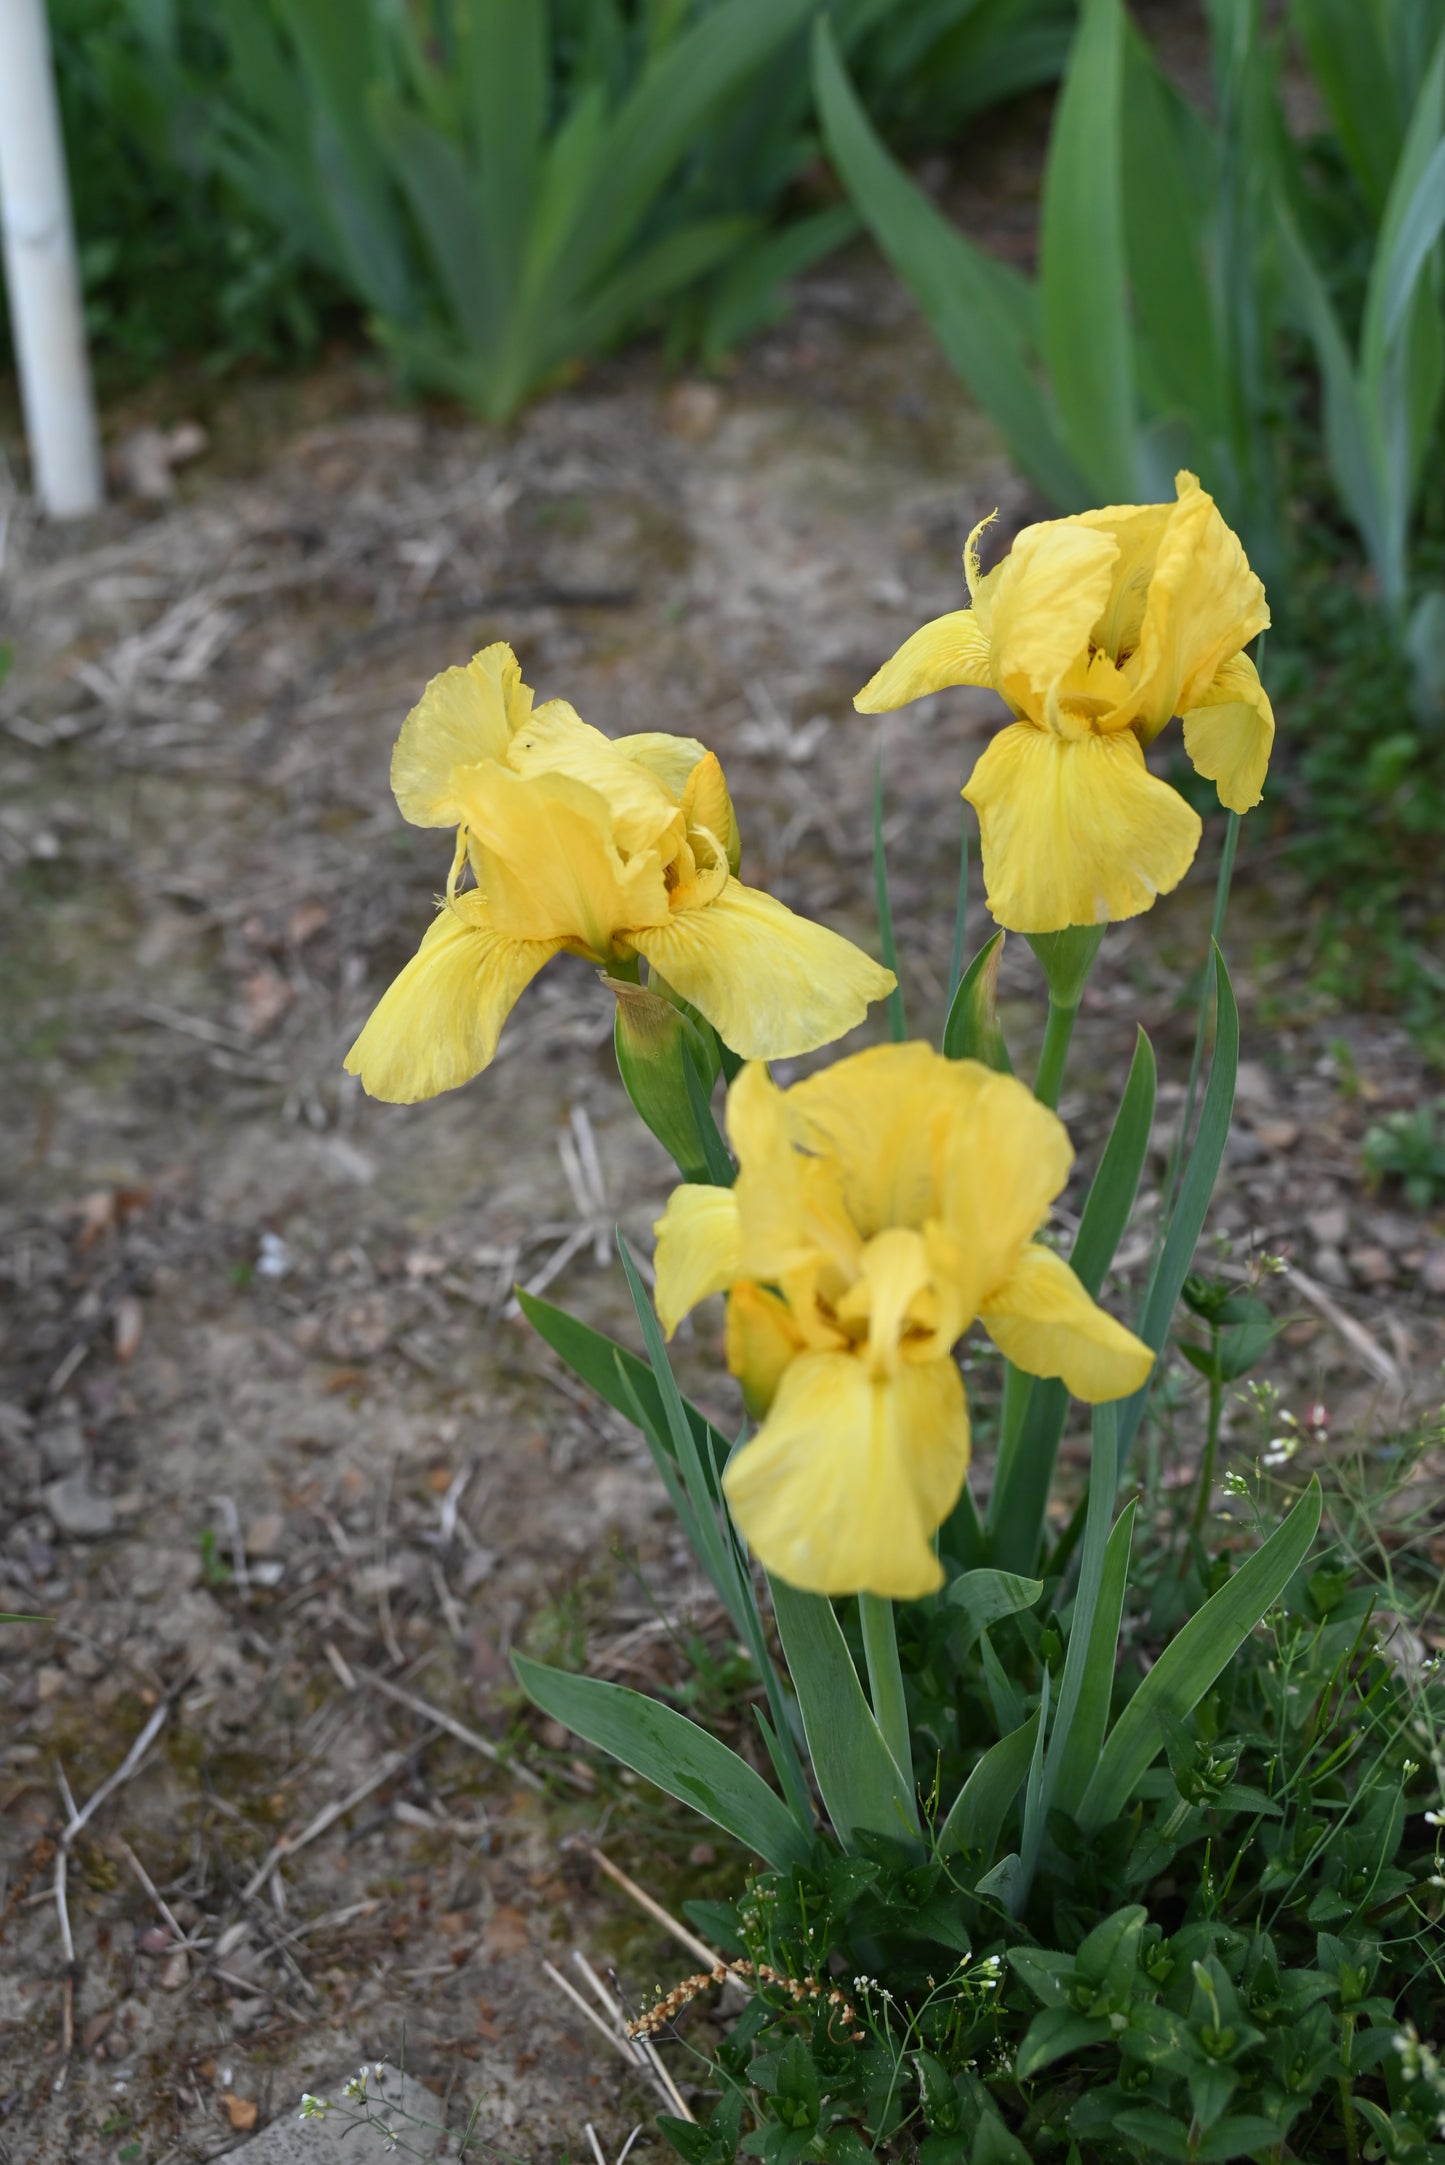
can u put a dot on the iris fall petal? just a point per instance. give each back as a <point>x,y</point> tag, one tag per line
<point>1042,1320</point>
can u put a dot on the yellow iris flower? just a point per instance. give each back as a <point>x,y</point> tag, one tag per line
<point>611,848</point>
<point>880,1208</point>
<point>1095,630</point>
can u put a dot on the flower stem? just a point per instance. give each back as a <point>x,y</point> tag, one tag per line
<point>1211,1441</point>
<point>885,1679</point>
<point>1057,1032</point>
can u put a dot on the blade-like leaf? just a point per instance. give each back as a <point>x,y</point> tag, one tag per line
<point>1080,1754</point>
<point>986,1596</point>
<point>460,242</point>
<point>597,1359</point>
<point>1200,1173</point>
<point>857,1780</point>
<point>1165,227</point>
<point>982,314</point>
<point>1193,1659</point>
<point>978,1811</point>
<point>1103,1481</point>
<point>1084,315</point>
<point>506,70</point>
<point>888,946</point>
<point>1352,67</point>
<point>668,1749</point>
<point>972,1030</point>
<point>748,294</point>
<point>1352,453</point>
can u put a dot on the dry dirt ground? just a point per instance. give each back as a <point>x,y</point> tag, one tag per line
<point>269,1429</point>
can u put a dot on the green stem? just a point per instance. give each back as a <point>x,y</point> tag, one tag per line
<point>1201,1028</point>
<point>885,1679</point>
<point>1211,1441</point>
<point>897,1015</point>
<point>1057,1031</point>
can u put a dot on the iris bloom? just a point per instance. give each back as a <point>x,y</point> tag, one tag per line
<point>881,1207</point>
<point>612,848</point>
<point>1096,630</point>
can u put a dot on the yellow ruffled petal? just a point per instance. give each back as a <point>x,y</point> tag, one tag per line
<point>1006,1162</point>
<point>1076,831</point>
<point>1042,602</point>
<point>1043,1321</point>
<point>890,1293</point>
<point>950,650</point>
<point>884,1115</point>
<point>1204,605</point>
<point>464,716</point>
<point>1138,529</point>
<point>771,984</point>
<point>762,1338</point>
<point>843,1486</point>
<point>699,1249</point>
<point>643,810</point>
<point>549,865</point>
<point>669,759</point>
<point>438,1023</point>
<point>1229,734</point>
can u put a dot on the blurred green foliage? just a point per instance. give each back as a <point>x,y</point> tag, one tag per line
<point>173,260</point>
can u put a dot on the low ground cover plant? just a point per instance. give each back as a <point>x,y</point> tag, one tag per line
<point>1079,1835</point>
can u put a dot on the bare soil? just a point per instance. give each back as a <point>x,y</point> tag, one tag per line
<point>269,1424</point>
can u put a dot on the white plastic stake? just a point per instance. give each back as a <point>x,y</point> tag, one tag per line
<point>41,277</point>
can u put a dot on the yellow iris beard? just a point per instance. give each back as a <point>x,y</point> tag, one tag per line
<point>609,848</point>
<point>881,1207</point>
<point>1096,630</point>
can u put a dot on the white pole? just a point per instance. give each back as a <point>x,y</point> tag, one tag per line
<point>40,270</point>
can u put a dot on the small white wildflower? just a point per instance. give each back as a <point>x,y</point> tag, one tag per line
<point>313,2108</point>
<point>1435,1819</point>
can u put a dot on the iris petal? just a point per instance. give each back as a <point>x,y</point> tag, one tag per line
<point>464,716</point>
<point>842,1487</point>
<point>953,649</point>
<point>438,1023</point>
<point>771,984</point>
<point>1229,734</point>
<point>1042,1320</point>
<point>1076,831</point>
<point>699,1249</point>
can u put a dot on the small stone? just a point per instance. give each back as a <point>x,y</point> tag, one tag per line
<point>49,1684</point>
<point>692,411</point>
<point>264,1535</point>
<point>1242,1148</point>
<point>1253,1084</point>
<point>174,1972</point>
<point>1432,1270</point>
<point>1373,1266</point>
<point>1328,1228</point>
<point>1330,1267</point>
<point>242,2112</point>
<point>507,1933</point>
<point>1277,1136</point>
<point>62,1448</point>
<point>96,2028</point>
<point>245,2014</point>
<point>78,1511</point>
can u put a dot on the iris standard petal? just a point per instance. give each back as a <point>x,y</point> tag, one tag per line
<point>1229,734</point>
<point>1076,831</point>
<point>1204,605</point>
<point>1006,1162</point>
<point>953,649</point>
<point>438,1023</point>
<point>556,740</point>
<point>465,715</point>
<point>549,865</point>
<point>771,984</point>
<point>1043,1321</point>
<point>881,1115</point>
<point>843,1486</point>
<point>1042,600</point>
<point>699,1249</point>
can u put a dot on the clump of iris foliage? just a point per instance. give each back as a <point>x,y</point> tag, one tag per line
<point>1083,1834</point>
